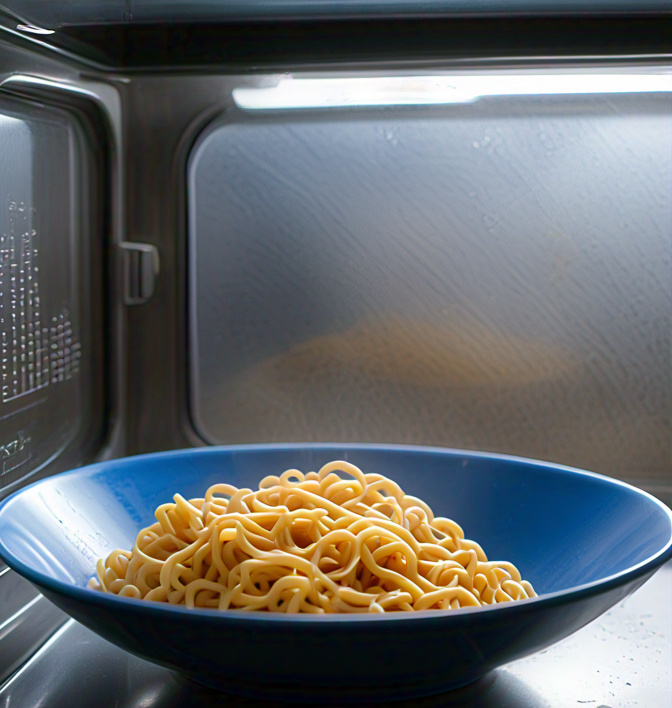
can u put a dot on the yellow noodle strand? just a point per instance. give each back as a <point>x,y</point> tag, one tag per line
<point>336,540</point>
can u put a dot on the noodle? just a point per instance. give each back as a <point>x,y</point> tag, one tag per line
<point>332,541</point>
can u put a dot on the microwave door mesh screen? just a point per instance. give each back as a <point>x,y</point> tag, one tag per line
<point>41,348</point>
<point>36,350</point>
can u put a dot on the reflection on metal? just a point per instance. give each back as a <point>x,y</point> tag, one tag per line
<point>26,620</point>
<point>625,654</point>
<point>4,626</point>
<point>427,90</point>
<point>33,29</point>
<point>15,452</point>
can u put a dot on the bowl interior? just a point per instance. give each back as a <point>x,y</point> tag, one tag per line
<point>563,528</point>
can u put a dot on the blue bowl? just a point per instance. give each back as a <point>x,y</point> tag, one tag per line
<point>584,541</point>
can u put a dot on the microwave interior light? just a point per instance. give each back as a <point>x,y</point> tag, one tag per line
<point>429,90</point>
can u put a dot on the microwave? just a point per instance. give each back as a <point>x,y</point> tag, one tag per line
<point>439,223</point>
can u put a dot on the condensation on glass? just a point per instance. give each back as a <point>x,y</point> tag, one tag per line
<point>46,393</point>
<point>494,276</point>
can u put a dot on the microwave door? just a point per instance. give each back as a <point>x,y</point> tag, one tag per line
<point>55,398</point>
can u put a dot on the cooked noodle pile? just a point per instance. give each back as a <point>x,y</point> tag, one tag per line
<point>331,541</point>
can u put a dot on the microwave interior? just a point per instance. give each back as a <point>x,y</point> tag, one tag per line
<point>220,226</point>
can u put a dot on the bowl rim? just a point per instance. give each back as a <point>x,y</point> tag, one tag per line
<point>109,601</point>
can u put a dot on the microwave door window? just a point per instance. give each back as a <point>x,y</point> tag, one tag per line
<point>48,406</point>
<point>493,275</point>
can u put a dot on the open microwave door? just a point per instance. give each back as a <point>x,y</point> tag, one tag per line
<point>54,405</point>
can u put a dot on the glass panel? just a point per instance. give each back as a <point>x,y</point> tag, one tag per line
<point>493,275</point>
<point>49,393</point>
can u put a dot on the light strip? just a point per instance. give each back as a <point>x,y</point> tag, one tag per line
<point>10,620</point>
<point>33,29</point>
<point>36,657</point>
<point>435,90</point>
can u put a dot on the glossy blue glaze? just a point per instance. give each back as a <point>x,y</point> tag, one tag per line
<point>583,540</point>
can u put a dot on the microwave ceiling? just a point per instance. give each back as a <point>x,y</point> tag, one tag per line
<point>44,15</point>
<point>280,35</point>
